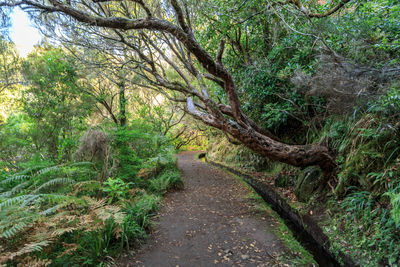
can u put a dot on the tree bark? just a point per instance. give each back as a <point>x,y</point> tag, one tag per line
<point>122,105</point>
<point>295,155</point>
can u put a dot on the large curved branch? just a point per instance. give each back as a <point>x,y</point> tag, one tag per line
<point>228,111</point>
<point>206,118</point>
<point>295,155</point>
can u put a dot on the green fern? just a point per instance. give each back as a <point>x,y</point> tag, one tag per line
<point>26,200</point>
<point>54,182</point>
<point>36,199</point>
<point>395,201</point>
<point>14,201</point>
<point>16,189</point>
<point>48,170</point>
<point>14,230</point>
<point>57,198</point>
<point>15,178</point>
<point>53,209</point>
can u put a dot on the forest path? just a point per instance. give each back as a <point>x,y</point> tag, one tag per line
<point>212,222</point>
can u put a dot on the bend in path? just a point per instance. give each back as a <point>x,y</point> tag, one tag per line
<point>211,222</point>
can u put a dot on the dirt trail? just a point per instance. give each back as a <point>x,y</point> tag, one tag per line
<point>211,222</point>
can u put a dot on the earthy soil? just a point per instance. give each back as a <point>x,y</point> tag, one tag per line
<point>211,222</point>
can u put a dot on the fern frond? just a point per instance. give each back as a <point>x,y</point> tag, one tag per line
<point>49,169</point>
<point>33,169</point>
<point>26,200</point>
<point>34,262</point>
<point>119,217</point>
<point>57,198</point>
<point>108,212</point>
<point>87,222</point>
<point>30,200</point>
<point>14,201</point>
<point>28,248</point>
<point>34,246</point>
<point>61,231</point>
<point>53,182</point>
<point>14,230</point>
<point>95,203</point>
<point>24,217</point>
<point>104,212</point>
<point>71,248</point>
<point>53,209</point>
<point>16,189</point>
<point>15,178</point>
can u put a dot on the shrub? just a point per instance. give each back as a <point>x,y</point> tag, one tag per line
<point>169,179</point>
<point>116,188</point>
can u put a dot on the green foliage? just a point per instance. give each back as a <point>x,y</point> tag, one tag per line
<point>366,221</point>
<point>15,139</point>
<point>366,231</point>
<point>116,189</point>
<point>10,64</point>
<point>267,98</point>
<point>169,179</point>
<point>266,45</point>
<point>143,209</point>
<point>395,212</point>
<point>132,145</point>
<point>67,209</point>
<point>368,151</point>
<point>372,28</point>
<point>30,198</point>
<point>96,244</point>
<point>135,143</point>
<point>54,102</point>
<point>388,104</point>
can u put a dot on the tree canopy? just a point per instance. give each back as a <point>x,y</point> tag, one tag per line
<point>148,29</point>
<point>122,84</point>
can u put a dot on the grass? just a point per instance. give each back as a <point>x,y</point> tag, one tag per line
<point>372,238</point>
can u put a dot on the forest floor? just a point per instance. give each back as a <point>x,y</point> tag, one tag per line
<point>213,221</point>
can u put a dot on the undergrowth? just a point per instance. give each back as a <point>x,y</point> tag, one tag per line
<point>85,213</point>
<point>364,218</point>
<point>372,237</point>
